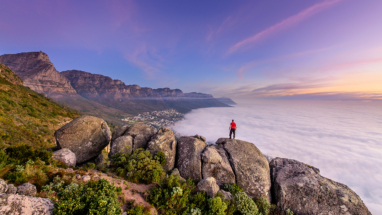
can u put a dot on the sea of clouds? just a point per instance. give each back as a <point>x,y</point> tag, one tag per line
<point>341,138</point>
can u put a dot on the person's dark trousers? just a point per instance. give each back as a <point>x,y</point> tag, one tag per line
<point>230,133</point>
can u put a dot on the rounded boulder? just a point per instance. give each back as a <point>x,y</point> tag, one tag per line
<point>85,136</point>
<point>66,156</point>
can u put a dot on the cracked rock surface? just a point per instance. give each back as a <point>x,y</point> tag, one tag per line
<point>188,161</point>
<point>250,166</point>
<point>216,164</point>
<point>165,142</point>
<point>303,190</point>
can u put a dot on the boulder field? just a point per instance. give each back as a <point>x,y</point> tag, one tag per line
<point>289,184</point>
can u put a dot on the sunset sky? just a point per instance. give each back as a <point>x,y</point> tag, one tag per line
<point>291,49</point>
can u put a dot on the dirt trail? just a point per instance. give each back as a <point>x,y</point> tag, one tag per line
<point>132,193</point>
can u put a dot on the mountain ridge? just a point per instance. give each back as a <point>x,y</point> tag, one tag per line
<point>113,98</point>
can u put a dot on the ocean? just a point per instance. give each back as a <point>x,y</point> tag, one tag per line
<point>341,138</point>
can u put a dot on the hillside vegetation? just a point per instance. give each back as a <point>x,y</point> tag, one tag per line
<point>26,116</point>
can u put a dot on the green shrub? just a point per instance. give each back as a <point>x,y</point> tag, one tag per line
<point>245,205</point>
<point>91,165</point>
<point>140,166</point>
<point>22,153</point>
<point>92,198</point>
<point>216,206</point>
<point>288,212</point>
<point>137,210</point>
<point>199,200</point>
<point>264,206</point>
<point>232,188</point>
<point>161,158</point>
<point>171,197</point>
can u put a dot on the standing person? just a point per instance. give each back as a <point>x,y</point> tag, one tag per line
<point>232,129</point>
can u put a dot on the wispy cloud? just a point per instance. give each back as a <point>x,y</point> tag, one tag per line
<point>229,21</point>
<point>141,58</point>
<point>286,23</point>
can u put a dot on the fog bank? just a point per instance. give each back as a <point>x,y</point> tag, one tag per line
<point>342,139</point>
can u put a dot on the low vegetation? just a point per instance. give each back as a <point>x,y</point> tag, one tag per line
<point>91,198</point>
<point>139,166</point>
<point>26,116</point>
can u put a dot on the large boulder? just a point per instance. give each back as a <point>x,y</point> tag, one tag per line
<point>123,144</point>
<point>85,136</point>
<point>140,133</point>
<point>3,186</point>
<point>66,156</point>
<point>209,186</point>
<point>300,188</point>
<point>188,160</point>
<point>27,189</point>
<point>11,189</point>
<point>25,205</point>
<point>216,164</point>
<point>250,166</point>
<point>165,142</point>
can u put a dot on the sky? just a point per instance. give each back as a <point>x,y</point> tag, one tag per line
<point>341,138</point>
<point>295,49</point>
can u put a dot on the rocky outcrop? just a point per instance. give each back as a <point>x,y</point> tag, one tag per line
<point>301,188</point>
<point>3,186</point>
<point>123,144</point>
<point>38,73</point>
<point>85,136</point>
<point>250,166</point>
<point>66,156</point>
<point>140,133</point>
<point>27,189</point>
<point>11,189</point>
<point>164,141</point>
<point>216,164</point>
<point>25,205</point>
<point>188,161</point>
<point>209,186</point>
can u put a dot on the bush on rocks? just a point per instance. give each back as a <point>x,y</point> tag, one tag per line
<point>92,198</point>
<point>245,205</point>
<point>139,166</point>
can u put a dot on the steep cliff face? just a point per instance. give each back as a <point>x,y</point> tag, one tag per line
<point>95,86</point>
<point>38,73</point>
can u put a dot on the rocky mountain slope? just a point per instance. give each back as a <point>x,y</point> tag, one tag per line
<point>38,73</point>
<point>133,98</point>
<point>27,116</point>
<point>95,86</point>
<point>97,94</point>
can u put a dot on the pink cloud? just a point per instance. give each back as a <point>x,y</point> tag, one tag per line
<point>286,23</point>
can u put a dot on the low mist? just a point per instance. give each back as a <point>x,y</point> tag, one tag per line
<point>342,139</point>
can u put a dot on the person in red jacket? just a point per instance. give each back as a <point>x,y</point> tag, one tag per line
<point>232,129</point>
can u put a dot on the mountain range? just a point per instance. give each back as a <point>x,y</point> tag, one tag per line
<point>100,95</point>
